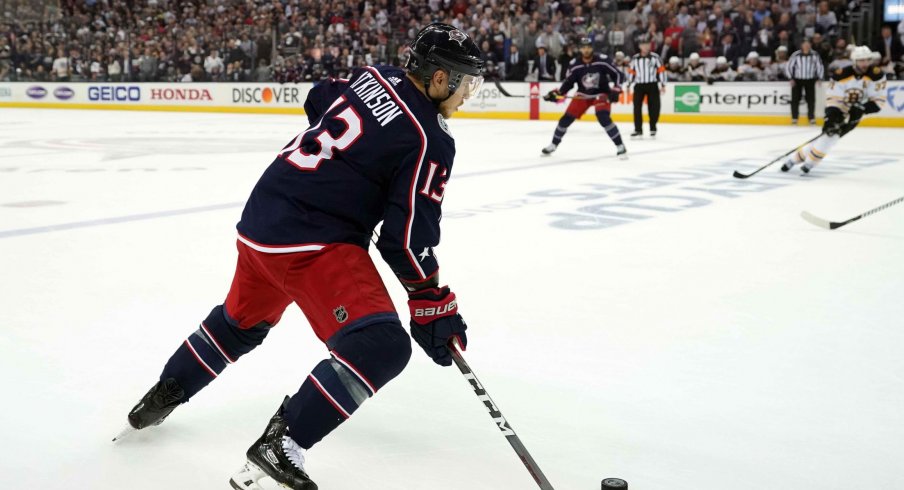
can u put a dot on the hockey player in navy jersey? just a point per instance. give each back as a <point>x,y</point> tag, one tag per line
<point>378,149</point>
<point>592,75</point>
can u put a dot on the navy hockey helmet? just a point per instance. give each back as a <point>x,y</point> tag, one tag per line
<point>585,41</point>
<point>443,47</point>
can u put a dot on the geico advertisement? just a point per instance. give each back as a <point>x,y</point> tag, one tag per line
<point>114,93</point>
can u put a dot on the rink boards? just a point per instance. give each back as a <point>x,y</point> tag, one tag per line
<point>725,103</point>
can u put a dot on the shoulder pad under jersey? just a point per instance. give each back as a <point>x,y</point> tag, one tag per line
<point>842,73</point>
<point>876,74</point>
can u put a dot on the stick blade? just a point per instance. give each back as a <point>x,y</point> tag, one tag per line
<point>739,175</point>
<point>817,221</point>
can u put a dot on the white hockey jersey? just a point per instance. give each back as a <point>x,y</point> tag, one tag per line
<point>848,87</point>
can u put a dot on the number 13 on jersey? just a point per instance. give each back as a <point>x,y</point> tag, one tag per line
<point>328,142</point>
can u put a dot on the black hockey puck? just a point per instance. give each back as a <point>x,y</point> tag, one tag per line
<point>613,483</point>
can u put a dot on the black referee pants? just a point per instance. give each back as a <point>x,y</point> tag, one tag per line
<point>810,87</point>
<point>650,91</point>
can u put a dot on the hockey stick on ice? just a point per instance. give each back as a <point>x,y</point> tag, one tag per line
<point>831,225</point>
<point>739,175</point>
<point>493,410</point>
<point>504,426</point>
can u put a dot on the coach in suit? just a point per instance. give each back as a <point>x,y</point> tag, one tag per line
<point>515,65</point>
<point>889,47</point>
<point>544,65</point>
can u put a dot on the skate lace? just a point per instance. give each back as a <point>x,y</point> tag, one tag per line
<point>294,452</point>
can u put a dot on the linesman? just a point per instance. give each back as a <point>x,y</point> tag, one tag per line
<point>647,74</point>
<point>804,68</point>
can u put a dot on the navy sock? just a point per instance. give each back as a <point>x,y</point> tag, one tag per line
<point>360,364</point>
<point>610,127</point>
<point>564,122</point>
<point>216,343</point>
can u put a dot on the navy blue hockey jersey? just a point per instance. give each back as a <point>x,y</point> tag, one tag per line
<point>591,78</point>
<point>377,149</point>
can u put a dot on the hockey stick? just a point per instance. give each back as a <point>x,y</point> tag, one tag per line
<point>831,225</point>
<point>739,175</point>
<point>505,92</point>
<point>495,413</point>
<point>504,426</point>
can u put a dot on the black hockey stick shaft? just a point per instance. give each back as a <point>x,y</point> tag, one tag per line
<point>739,175</point>
<point>505,92</point>
<point>838,224</point>
<point>496,414</point>
<point>880,208</point>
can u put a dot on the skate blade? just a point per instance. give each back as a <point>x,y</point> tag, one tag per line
<point>248,478</point>
<point>124,433</point>
<point>251,476</point>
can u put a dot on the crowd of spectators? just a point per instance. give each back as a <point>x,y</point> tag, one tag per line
<point>307,40</point>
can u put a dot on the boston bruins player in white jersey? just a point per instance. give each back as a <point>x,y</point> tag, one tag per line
<point>852,92</point>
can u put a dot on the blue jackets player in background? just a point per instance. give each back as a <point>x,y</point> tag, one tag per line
<point>378,149</point>
<point>591,74</point>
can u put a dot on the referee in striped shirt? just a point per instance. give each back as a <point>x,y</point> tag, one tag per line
<point>647,74</point>
<point>804,68</point>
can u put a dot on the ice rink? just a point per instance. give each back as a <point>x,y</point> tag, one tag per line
<point>652,319</point>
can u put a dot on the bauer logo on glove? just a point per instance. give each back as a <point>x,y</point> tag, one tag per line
<point>431,312</point>
<point>435,322</point>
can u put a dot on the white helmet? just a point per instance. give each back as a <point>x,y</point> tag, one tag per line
<point>695,56</point>
<point>721,60</point>
<point>674,60</point>
<point>619,55</point>
<point>861,53</point>
<point>753,55</point>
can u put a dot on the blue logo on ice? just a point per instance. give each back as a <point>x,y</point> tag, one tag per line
<point>895,104</point>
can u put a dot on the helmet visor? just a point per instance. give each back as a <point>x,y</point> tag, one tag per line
<point>470,84</point>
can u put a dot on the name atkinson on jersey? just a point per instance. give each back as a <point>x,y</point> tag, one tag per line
<point>374,96</point>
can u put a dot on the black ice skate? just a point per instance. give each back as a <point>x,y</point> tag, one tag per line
<point>637,134</point>
<point>154,406</point>
<point>788,165</point>
<point>275,455</point>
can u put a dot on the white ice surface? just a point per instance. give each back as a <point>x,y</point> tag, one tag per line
<point>731,345</point>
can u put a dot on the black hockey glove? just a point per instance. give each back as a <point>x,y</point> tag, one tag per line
<point>855,113</point>
<point>552,96</point>
<point>834,123</point>
<point>871,107</point>
<point>435,322</point>
<point>614,92</point>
